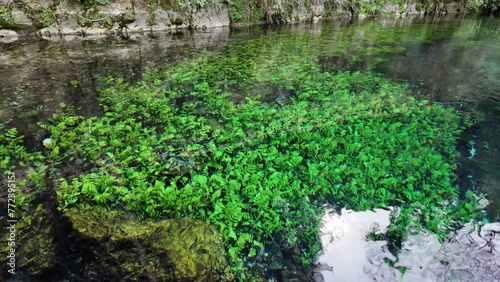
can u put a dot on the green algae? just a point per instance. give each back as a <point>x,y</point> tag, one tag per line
<point>168,250</point>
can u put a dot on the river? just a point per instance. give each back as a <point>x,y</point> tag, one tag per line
<point>453,60</point>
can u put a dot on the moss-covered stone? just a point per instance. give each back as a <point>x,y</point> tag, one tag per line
<point>166,250</point>
<point>177,21</point>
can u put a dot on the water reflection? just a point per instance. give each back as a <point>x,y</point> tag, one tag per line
<point>36,75</point>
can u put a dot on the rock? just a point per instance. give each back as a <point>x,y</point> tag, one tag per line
<point>20,20</point>
<point>117,19</point>
<point>390,10</point>
<point>165,250</point>
<point>8,36</point>
<point>411,9</point>
<point>48,143</point>
<point>454,7</point>
<point>161,18</point>
<point>211,17</point>
<point>37,4</point>
<point>317,12</point>
<point>299,15</point>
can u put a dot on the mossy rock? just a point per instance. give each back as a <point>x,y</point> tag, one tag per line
<point>166,250</point>
<point>35,248</point>
<point>177,21</point>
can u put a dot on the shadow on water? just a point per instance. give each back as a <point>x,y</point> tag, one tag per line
<point>453,60</point>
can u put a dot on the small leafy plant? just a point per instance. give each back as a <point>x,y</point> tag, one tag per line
<point>5,16</point>
<point>259,154</point>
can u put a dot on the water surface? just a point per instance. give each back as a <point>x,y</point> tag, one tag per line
<point>454,60</point>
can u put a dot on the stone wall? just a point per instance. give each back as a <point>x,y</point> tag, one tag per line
<point>69,17</point>
<point>49,18</point>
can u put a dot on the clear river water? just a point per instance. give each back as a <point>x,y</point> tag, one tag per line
<point>454,60</point>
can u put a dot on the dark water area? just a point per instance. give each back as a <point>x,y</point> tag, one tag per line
<point>454,60</point>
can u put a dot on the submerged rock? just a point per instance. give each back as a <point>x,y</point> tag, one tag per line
<point>124,246</point>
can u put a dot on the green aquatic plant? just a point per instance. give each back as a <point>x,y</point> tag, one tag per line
<point>13,153</point>
<point>209,139</point>
<point>257,171</point>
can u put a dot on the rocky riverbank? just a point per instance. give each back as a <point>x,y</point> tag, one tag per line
<point>49,18</point>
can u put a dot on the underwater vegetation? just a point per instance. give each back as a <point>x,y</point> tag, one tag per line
<point>256,143</point>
